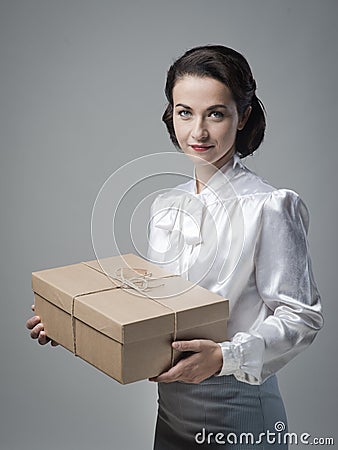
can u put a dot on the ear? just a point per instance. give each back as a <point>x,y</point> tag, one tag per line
<point>244,119</point>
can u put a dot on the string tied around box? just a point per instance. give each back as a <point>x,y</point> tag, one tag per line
<point>139,281</point>
<point>135,279</point>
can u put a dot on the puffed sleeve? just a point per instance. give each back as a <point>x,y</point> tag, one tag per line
<point>286,285</point>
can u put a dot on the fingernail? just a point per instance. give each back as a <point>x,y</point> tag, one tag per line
<point>176,345</point>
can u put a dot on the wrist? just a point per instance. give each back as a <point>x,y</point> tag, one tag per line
<point>219,358</point>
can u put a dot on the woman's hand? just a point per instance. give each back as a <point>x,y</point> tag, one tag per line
<point>205,361</point>
<point>37,330</point>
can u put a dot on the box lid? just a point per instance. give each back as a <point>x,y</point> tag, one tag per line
<point>123,314</point>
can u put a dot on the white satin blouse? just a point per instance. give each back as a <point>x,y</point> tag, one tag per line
<point>247,241</point>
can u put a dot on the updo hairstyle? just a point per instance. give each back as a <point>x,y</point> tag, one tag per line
<point>232,69</point>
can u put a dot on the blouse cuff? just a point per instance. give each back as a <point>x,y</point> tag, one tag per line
<point>232,358</point>
<point>243,358</point>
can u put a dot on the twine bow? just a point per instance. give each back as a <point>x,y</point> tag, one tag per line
<point>137,279</point>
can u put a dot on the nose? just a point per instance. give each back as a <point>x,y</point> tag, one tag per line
<point>199,131</point>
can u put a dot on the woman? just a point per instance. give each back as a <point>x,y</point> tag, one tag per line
<point>250,247</point>
<point>215,118</point>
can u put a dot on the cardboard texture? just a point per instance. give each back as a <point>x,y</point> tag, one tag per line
<point>124,332</point>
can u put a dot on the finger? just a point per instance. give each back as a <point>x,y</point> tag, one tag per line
<point>43,339</point>
<point>53,344</point>
<point>185,346</point>
<point>33,307</point>
<point>165,377</point>
<point>32,322</point>
<point>36,331</point>
<point>174,373</point>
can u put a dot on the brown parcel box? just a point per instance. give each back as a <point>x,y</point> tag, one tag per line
<point>121,332</point>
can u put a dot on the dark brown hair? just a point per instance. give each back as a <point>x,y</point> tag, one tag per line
<point>231,68</point>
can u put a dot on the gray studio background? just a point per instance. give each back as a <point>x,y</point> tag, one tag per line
<point>81,94</point>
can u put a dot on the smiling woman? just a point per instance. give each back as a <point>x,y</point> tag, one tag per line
<point>230,388</point>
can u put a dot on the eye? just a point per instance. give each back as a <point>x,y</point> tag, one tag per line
<point>184,113</point>
<point>216,115</point>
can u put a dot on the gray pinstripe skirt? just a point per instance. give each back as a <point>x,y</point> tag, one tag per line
<point>191,415</point>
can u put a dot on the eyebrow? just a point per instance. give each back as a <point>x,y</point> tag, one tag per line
<point>208,109</point>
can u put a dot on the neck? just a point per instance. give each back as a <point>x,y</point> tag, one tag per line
<point>203,172</point>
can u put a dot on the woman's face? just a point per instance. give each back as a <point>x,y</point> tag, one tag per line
<point>205,119</point>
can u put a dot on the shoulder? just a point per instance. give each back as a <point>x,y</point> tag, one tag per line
<point>248,182</point>
<point>173,195</point>
<point>274,201</point>
<point>287,198</point>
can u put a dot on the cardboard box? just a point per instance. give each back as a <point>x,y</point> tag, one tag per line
<point>125,333</point>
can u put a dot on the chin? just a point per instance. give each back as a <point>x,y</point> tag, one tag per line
<point>201,158</point>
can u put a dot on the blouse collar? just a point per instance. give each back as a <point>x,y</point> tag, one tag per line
<point>219,180</point>
<point>188,210</point>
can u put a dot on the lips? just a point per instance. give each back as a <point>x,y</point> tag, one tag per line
<point>201,147</point>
